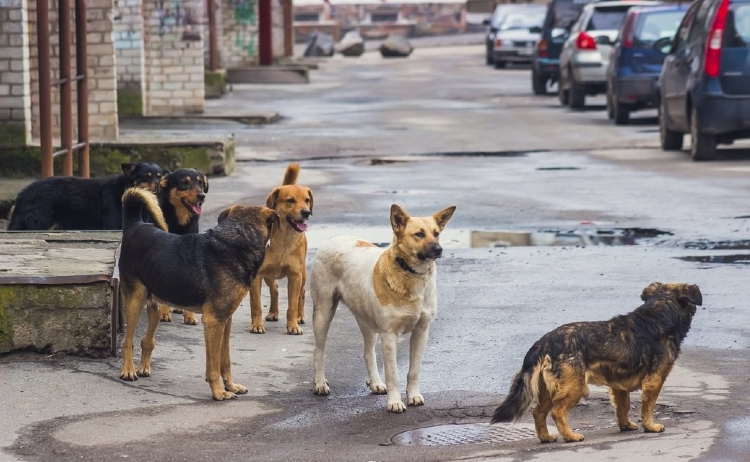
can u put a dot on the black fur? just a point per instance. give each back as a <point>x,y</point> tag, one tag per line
<point>70,203</point>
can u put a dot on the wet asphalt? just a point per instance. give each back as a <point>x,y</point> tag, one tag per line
<point>437,129</point>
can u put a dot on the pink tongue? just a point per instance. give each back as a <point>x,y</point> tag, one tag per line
<point>195,208</point>
<point>301,226</point>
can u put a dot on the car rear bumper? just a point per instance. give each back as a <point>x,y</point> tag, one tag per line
<point>547,66</point>
<point>725,114</point>
<point>513,55</point>
<point>637,90</point>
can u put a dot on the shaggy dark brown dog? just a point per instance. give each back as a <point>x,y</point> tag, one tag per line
<point>629,352</point>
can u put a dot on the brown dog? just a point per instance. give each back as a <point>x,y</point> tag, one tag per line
<point>206,273</point>
<point>627,353</point>
<point>285,257</point>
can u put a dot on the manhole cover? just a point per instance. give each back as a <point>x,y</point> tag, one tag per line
<point>463,434</point>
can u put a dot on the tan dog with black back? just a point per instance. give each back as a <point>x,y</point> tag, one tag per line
<point>285,257</point>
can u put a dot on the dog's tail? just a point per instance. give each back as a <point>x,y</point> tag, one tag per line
<point>137,202</point>
<point>291,174</point>
<point>523,391</point>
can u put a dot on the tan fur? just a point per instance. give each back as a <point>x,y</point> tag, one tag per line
<point>285,257</point>
<point>361,243</point>
<point>152,204</point>
<point>175,198</point>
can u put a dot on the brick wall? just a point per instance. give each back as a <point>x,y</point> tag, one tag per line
<point>277,28</point>
<point>15,100</point>
<point>239,39</point>
<point>128,27</point>
<point>173,32</point>
<point>101,70</point>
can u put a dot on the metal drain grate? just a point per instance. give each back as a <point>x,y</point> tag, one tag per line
<point>463,434</point>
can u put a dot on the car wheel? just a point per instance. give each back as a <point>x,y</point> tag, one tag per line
<point>577,93</point>
<point>702,146</point>
<point>562,92</point>
<point>620,112</point>
<point>610,111</point>
<point>538,83</point>
<point>670,139</point>
<point>500,64</point>
<point>489,59</point>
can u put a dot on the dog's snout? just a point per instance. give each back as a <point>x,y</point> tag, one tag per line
<point>436,250</point>
<point>305,213</point>
<point>201,196</point>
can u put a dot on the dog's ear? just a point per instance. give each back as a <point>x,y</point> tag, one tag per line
<point>164,181</point>
<point>271,217</point>
<point>693,294</point>
<point>309,193</point>
<point>649,291</point>
<point>442,217</point>
<point>225,214</point>
<point>205,182</point>
<point>399,217</point>
<point>128,168</point>
<point>272,198</point>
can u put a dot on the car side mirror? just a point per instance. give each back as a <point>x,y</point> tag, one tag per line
<point>486,22</point>
<point>535,30</point>
<point>663,45</point>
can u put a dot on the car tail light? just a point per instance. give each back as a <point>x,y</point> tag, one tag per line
<point>543,48</point>
<point>585,42</point>
<point>498,43</point>
<point>628,30</point>
<point>713,46</point>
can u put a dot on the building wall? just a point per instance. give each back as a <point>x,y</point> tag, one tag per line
<point>101,70</point>
<point>173,36</point>
<point>128,27</point>
<point>277,28</point>
<point>15,97</point>
<point>239,39</point>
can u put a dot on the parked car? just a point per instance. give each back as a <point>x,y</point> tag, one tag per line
<point>517,35</point>
<point>545,60</point>
<point>635,64</point>
<point>704,86</point>
<point>493,25</point>
<point>586,51</point>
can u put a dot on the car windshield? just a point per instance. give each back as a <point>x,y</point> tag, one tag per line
<point>656,26</point>
<point>737,32</point>
<point>527,20</point>
<point>564,14</point>
<point>607,19</point>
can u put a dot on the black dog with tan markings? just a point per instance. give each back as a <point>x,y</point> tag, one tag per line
<point>629,352</point>
<point>206,273</point>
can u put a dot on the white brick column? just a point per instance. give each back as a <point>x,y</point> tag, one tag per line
<point>15,92</point>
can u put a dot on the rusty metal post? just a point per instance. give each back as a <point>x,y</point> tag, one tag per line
<point>45,86</point>
<point>265,32</point>
<point>288,28</point>
<point>213,44</point>
<point>83,89</point>
<point>66,88</point>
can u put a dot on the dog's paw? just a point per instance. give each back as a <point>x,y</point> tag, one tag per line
<point>573,438</point>
<point>294,330</point>
<point>377,388</point>
<point>223,395</point>
<point>653,428</point>
<point>301,321</point>
<point>128,374</point>
<point>416,400</point>
<point>257,329</point>
<point>322,389</point>
<point>177,310</point>
<point>189,319</point>
<point>165,317</point>
<point>548,438</point>
<point>144,371</point>
<point>272,317</point>
<point>629,427</point>
<point>235,388</point>
<point>397,407</point>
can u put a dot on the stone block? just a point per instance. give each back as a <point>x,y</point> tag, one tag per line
<point>215,83</point>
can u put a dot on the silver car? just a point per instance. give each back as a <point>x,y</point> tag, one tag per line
<point>585,54</point>
<point>517,35</point>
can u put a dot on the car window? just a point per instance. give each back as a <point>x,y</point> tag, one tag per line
<point>564,14</point>
<point>607,19</point>
<point>682,33</point>
<point>655,26</point>
<point>514,21</point>
<point>737,29</point>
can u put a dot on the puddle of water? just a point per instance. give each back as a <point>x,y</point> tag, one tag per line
<point>453,238</point>
<point>719,245</point>
<point>557,168</point>
<point>726,259</point>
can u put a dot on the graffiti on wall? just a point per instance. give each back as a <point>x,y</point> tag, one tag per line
<point>246,19</point>
<point>173,15</point>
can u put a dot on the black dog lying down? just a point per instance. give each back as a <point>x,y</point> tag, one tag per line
<point>67,203</point>
<point>206,273</point>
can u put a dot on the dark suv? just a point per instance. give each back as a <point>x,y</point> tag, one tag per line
<point>704,86</point>
<point>545,64</point>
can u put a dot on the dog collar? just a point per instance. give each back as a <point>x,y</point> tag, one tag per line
<point>402,263</point>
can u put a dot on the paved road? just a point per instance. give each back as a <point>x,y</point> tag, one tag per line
<point>446,130</point>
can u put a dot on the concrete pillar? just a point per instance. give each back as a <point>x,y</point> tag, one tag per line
<point>101,70</point>
<point>173,36</point>
<point>128,25</point>
<point>15,92</point>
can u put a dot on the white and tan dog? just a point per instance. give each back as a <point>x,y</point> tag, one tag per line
<point>389,292</point>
